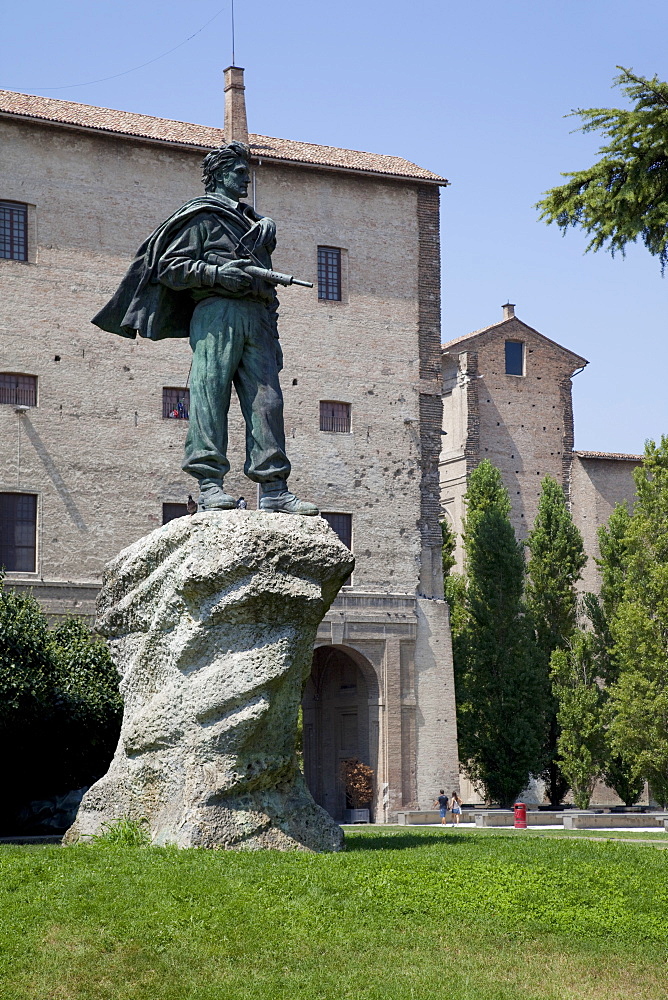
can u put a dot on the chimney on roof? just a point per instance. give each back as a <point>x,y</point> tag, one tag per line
<point>509,310</point>
<point>236,126</point>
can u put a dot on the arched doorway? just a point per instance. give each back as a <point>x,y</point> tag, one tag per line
<point>337,722</point>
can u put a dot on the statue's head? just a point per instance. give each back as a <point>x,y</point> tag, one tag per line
<point>227,170</point>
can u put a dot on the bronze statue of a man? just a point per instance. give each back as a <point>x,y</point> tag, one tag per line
<point>203,274</point>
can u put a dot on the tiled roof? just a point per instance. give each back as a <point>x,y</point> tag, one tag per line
<point>611,455</point>
<point>511,319</point>
<point>126,123</point>
<point>475,333</point>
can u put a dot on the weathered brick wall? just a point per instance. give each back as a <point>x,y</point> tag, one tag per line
<point>597,485</point>
<point>522,423</point>
<point>437,757</point>
<point>96,448</point>
<point>431,409</point>
<point>526,421</point>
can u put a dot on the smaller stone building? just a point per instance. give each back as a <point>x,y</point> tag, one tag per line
<point>507,397</point>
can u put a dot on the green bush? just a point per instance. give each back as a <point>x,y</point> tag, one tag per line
<point>60,708</point>
<point>90,707</point>
<point>27,706</point>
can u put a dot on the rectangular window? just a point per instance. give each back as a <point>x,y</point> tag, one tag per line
<point>18,532</point>
<point>342,524</point>
<point>175,404</point>
<point>170,511</point>
<point>334,416</point>
<point>18,390</point>
<point>514,357</point>
<point>329,273</point>
<point>13,230</point>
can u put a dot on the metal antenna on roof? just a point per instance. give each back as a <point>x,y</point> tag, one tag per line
<point>233,63</point>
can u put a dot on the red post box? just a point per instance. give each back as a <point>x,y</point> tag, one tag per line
<point>520,816</point>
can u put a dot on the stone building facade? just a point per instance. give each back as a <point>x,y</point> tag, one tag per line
<point>94,457</point>
<point>507,397</point>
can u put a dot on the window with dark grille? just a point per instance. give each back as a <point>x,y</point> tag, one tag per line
<point>170,511</point>
<point>13,230</point>
<point>329,273</point>
<point>176,404</point>
<point>342,524</point>
<point>514,357</point>
<point>18,532</point>
<point>334,416</point>
<point>19,390</point>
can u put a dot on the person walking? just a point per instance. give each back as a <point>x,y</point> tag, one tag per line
<point>456,809</point>
<point>442,803</point>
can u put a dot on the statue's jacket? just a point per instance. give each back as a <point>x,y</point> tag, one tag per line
<point>177,266</point>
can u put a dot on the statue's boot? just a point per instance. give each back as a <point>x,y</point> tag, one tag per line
<point>213,497</point>
<point>276,497</point>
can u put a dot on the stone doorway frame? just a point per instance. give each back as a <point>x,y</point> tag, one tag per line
<point>374,720</point>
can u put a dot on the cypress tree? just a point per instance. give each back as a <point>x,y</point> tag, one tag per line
<point>499,692</point>
<point>618,773</point>
<point>555,565</point>
<point>639,697</point>
<point>580,700</point>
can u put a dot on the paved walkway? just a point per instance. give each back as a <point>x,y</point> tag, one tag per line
<point>601,829</point>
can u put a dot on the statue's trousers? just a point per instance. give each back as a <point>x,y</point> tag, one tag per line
<point>233,341</point>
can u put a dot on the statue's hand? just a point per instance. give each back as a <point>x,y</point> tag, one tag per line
<point>267,228</point>
<point>232,277</point>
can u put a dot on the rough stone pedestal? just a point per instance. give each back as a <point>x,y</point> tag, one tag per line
<point>212,620</point>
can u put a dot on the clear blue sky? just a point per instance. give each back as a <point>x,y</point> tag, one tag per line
<point>475,91</point>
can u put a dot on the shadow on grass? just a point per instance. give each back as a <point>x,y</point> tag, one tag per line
<point>400,841</point>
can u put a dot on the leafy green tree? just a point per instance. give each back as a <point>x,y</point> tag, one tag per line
<point>600,610</point>
<point>613,546</point>
<point>557,558</point>
<point>455,595</point>
<point>500,694</point>
<point>581,740</point>
<point>639,698</point>
<point>448,547</point>
<point>618,773</point>
<point>624,195</point>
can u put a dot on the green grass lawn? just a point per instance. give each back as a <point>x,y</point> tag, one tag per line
<point>400,914</point>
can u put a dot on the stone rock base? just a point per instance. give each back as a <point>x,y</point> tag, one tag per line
<point>211,621</point>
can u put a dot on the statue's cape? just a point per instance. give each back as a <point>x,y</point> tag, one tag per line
<point>143,305</point>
